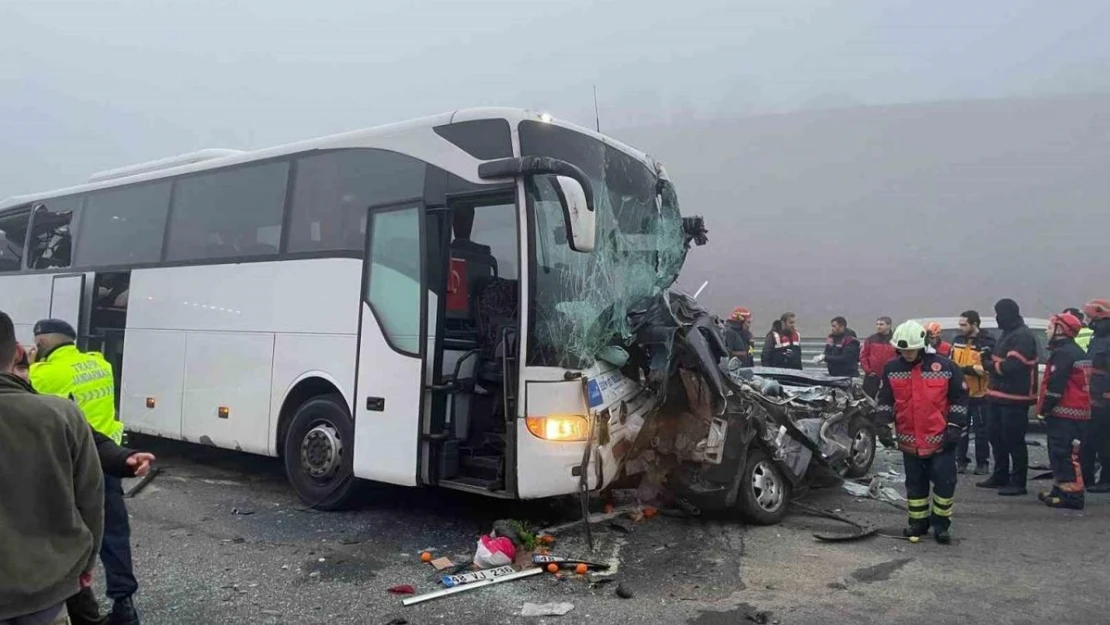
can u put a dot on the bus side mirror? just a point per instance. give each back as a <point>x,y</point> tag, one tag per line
<point>576,195</point>
<point>580,218</point>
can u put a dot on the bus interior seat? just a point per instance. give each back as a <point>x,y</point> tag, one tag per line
<point>494,304</point>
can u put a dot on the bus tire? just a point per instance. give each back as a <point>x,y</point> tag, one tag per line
<point>764,490</point>
<point>319,453</point>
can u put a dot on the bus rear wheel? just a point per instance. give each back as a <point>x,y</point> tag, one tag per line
<point>319,453</point>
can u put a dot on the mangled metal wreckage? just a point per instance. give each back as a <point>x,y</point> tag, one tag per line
<point>696,428</point>
<point>668,408</point>
<point>674,414</point>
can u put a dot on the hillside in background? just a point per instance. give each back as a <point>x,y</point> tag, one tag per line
<point>920,209</point>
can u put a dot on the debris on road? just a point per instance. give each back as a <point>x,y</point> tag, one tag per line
<point>442,564</point>
<point>560,561</point>
<point>476,576</point>
<point>242,511</point>
<point>624,592</point>
<point>402,589</point>
<point>143,481</point>
<point>546,609</point>
<point>474,586</point>
<point>494,552</point>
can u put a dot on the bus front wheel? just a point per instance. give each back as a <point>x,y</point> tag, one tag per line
<point>319,451</point>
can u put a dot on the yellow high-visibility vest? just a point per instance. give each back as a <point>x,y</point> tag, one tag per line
<point>87,379</point>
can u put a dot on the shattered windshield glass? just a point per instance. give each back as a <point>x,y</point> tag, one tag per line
<point>580,301</point>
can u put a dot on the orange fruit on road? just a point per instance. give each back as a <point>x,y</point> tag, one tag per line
<point>581,569</point>
<point>552,568</point>
<point>649,512</point>
<point>425,557</point>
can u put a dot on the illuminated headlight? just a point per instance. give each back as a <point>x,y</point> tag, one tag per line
<point>559,427</point>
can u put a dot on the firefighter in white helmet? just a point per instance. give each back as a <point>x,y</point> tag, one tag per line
<point>924,395</point>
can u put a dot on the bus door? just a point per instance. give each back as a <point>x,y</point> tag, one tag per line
<point>396,339</point>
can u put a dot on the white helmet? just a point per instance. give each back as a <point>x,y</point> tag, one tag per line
<point>909,335</point>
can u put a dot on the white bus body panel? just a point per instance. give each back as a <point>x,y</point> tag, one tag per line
<point>26,299</point>
<point>235,336</point>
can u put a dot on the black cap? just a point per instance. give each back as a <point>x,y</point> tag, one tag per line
<point>55,326</point>
<point>1007,308</point>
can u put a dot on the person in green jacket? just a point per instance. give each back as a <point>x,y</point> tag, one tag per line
<point>51,524</point>
<point>59,368</point>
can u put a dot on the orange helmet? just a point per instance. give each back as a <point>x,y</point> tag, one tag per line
<point>933,328</point>
<point>1097,309</point>
<point>1066,323</point>
<point>741,314</point>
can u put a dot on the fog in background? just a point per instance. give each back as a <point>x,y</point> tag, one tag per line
<point>861,157</point>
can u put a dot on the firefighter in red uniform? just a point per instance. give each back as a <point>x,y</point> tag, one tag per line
<point>925,396</point>
<point>938,344</point>
<point>1065,405</point>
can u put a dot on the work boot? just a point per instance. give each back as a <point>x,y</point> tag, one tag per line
<point>1045,495</point>
<point>994,481</point>
<point>961,467</point>
<point>982,469</point>
<point>1070,501</point>
<point>916,529</point>
<point>942,536</point>
<point>123,613</point>
<point>1012,490</point>
<point>1101,487</point>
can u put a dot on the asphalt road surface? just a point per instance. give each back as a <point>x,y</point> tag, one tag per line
<point>219,538</point>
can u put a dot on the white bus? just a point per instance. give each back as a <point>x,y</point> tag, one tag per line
<point>417,304</point>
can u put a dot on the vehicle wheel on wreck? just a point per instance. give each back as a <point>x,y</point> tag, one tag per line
<point>764,489</point>
<point>862,455</point>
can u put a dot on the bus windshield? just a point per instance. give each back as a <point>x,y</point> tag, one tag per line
<point>580,301</point>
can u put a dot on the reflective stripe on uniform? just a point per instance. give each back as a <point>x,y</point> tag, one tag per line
<point>917,508</point>
<point>942,506</point>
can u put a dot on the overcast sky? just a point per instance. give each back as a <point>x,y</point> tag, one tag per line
<point>87,85</point>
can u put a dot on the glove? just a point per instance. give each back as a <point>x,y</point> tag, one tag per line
<point>952,434</point>
<point>885,434</point>
<point>986,355</point>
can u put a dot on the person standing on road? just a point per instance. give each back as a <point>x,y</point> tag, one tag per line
<point>936,343</point>
<point>967,354</point>
<point>925,396</point>
<point>51,498</point>
<point>1096,448</point>
<point>1083,339</point>
<point>63,370</point>
<point>1064,403</point>
<point>877,351</point>
<point>1011,391</point>
<point>842,350</point>
<point>738,336</point>
<point>783,346</point>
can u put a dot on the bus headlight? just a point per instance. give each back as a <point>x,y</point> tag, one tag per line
<point>558,427</point>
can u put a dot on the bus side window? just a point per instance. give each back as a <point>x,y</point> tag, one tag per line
<point>52,225</point>
<point>13,233</point>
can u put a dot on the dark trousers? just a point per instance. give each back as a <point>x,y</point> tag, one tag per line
<point>871,385</point>
<point>1096,446</point>
<point>1062,455</point>
<point>977,425</point>
<point>1007,425</point>
<point>940,471</point>
<point>115,551</point>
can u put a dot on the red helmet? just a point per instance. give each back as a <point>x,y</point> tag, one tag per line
<point>1097,309</point>
<point>933,328</point>
<point>741,314</point>
<point>1066,323</point>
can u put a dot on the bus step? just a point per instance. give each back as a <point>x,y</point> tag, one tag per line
<point>483,467</point>
<point>478,482</point>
